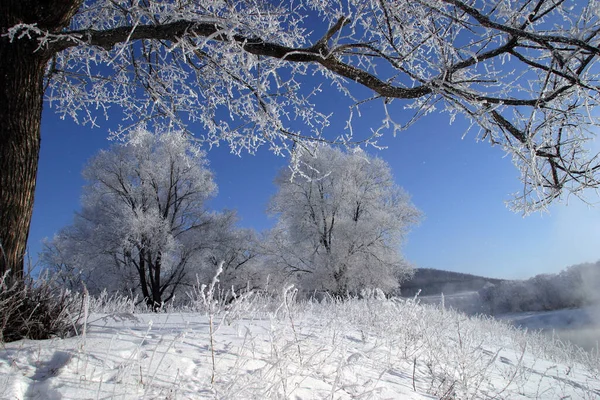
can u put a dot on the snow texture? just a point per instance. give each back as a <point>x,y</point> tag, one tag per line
<point>371,348</point>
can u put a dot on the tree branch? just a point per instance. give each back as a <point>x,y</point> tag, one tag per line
<point>176,31</point>
<point>486,21</point>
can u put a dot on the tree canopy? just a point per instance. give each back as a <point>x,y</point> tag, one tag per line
<point>144,227</point>
<point>523,73</point>
<point>341,223</point>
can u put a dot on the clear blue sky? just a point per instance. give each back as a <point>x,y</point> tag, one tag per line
<point>459,184</point>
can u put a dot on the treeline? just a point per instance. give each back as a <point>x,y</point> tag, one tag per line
<point>576,286</point>
<point>145,230</point>
<point>435,281</point>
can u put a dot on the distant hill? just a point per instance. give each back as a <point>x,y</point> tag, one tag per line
<point>435,281</point>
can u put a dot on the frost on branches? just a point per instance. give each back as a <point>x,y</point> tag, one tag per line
<point>249,73</point>
<point>524,73</point>
<point>341,221</point>
<point>143,227</point>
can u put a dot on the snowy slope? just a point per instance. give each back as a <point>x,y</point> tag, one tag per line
<point>368,349</point>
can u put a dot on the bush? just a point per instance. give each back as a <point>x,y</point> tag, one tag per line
<point>37,310</point>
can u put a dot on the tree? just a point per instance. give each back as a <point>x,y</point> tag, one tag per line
<point>243,269</point>
<point>524,73</point>
<point>344,230</point>
<point>575,286</point>
<point>143,226</point>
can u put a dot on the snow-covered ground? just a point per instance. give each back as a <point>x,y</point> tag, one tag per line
<point>370,348</point>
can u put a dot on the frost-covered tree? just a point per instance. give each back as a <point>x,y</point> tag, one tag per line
<point>575,286</point>
<point>243,269</point>
<point>524,73</point>
<point>341,221</point>
<point>143,226</point>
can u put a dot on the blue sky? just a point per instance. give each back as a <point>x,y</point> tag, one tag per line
<point>460,185</point>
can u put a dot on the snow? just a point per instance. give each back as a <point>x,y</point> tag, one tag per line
<point>374,349</point>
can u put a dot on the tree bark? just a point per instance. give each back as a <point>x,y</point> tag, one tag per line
<point>22,68</point>
<point>156,292</point>
<point>21,98</point>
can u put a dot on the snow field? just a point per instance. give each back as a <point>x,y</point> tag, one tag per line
<point>370,348</point>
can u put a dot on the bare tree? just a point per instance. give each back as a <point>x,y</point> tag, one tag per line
<point>524,73</point>
<point>347,223</point>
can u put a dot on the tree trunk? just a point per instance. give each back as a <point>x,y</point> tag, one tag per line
<point>21,98</point>
<point>156,292</point>
<point>22,67</point>
<point>142,274</point>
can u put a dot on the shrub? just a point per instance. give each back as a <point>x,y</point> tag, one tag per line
<point>37,309</point>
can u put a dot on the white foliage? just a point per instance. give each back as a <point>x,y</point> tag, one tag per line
<point>522,73</point>
<point>143,224</point>
<point>341,222</point>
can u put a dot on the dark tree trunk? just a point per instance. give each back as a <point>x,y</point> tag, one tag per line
<point>22,67</point>
<point>21,97</point>
<point>156,292</point>
<point>142,274</point>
